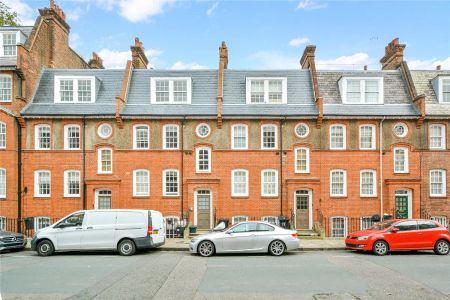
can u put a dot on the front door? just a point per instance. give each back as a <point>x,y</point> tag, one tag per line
<point>204,209</point>
<point>401,207</point>
<point>302,209</point>
<point>103,199</point>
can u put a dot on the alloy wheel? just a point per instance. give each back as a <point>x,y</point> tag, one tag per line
<point>380,248</point>
<point>277,248</point>
<point>206,249</point>
<point>442,247</point>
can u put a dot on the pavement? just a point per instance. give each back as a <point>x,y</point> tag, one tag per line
<point>178,275</point>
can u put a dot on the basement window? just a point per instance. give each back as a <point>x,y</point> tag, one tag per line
<point>80,89</point>
<point>358,90</point>
<point>171,90</point>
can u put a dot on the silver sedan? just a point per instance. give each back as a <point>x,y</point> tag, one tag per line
<point>245,237</point>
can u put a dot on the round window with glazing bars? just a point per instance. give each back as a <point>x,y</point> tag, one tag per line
<point>203,130</point>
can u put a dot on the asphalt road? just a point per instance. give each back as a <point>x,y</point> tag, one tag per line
<point>179,275</point>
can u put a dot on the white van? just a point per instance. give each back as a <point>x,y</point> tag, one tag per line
<point>124,230</point>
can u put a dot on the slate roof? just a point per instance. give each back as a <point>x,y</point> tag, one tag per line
<point>11,61</point>
<point>422,82</point>
<point>397,101</point>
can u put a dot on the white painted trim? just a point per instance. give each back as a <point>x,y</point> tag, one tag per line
<point>36,222</point>
<point>2,52</point>
<point>36,136</point>
<point>374,189</point>
<point>171,90</point>
<point>345,225</point>
<point>96,197</point>
<point>344,132</point>
<point>99,160</point>
<point>164,183</point>
<point>307,160</point>
<point>3,170</point>
<point>343,89</point>
<point>135,194</point>
<point>2,124</point>
<point>373,137</point>
<point>36,184</point>
<point>310,208</point>
<point>276,183</point>
<point>135,135</point>
<point>66,136</point>
<point>441,89</point>
<point>406,163</point>
<point>266,89</point>
<point>164,137</point>
<point>410,202</point>
<point>210,207</point>
<point>3,223</point>
<point>233,194</point>
<point>57,96</point>
<point>404,126</point>
<point>444,183</point>
<point>345,183</point>
<point>99,130</point>
<point>197,132</point>
<point>443,139</point>
<point>264,126</point>
<point>66,186</point>
<point>11,85</point>
<point>246,137</point>
<point>307,130</point>
<point>238,216</point>
<point>197,153</point>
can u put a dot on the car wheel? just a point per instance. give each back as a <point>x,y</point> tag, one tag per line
<point>277,248</point>
<point>442,247</point>
<point>206,249</point>
<point>126,248</point>
<point>45,248</point>
<point>380,248</point>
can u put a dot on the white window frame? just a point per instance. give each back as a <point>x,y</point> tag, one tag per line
<point>344,141</point>
<point>99,160</point>
<point>36,222</point>
<point>197,160</point>
<point>164,144</point>
<point>441,89</point>
<point>164,183</point>
<point>266,89</point>
<point>3,222</point>
<point>444,183</point>
<point>344,194</point>
<point>66,185</point>
<point>405,133</point>
<point>36,136</point>
<point>239,216</point>
<point>233,146</point>
<point>263,182</point>
<point>171,89</point>
<point>135,145</point>
<point>373,137</point>
<point>361,227</point>
<point>2,51</point>
<point>11,86</point>
<point>345,225</point>
<point>135,193</point>
<point>3,182</point>
<point>197,130</point>
<point>75,79</point>
<point>264,126</point>
<point>37,193</point>
<point>66,136</point>
<point>374,189</point>
<point>233,192</point>
<point>265,219</point>
<point>343,88</point>
<point>439,219</point>
<point>406,164</point>
<point>443,139</point>
<point>3,135</point>
<point>307,130</point>
<point>296,160</point>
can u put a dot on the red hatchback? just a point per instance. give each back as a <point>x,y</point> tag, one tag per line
<point>394,235</point>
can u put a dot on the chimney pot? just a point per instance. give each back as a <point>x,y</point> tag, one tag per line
<point>393,55</point>
<point>438,67</point>
<point>223,55</point>
<point>365,67</point>
<point>138,57</point>
<point>96,62</point>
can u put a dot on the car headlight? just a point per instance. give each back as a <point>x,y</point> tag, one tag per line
<point>363,238</point>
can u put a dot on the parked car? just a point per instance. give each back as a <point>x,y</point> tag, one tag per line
<point>400,235</point>
<point>245,237</point>
<point>113,229</point>
<point>12,240</point>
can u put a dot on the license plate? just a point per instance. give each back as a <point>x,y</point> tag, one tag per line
<point>155,231</point>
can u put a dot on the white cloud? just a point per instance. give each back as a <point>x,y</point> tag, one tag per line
<point>74,14</point>
<point>24,12</point>
<point>352,62</point>
<point>310,5</point>
<point>141,10</point>
<point>298,41</point>
<point>212,9</point>
<point>114,59</point>
<point>74,40</point>
<point>179,65</point>
<point>274,60</point>
<point>429,64</point>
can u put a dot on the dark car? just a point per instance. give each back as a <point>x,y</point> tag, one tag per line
<point>12,240</point>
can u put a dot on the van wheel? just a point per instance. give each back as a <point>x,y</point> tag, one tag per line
<point>45,248</point>
<point>277,248</point>
<point>380,248</point>
<point>442,247</point>
<point>126,248</point>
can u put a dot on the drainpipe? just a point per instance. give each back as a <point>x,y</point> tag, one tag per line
<point>381,169</point>
<point>281,165</point>
<point>84,163</point>
<point>19,176</point>
<point>182,167</point>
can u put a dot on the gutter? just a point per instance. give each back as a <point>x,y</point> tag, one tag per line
<point>381,169</point>
<point>19,175</point>
<point>84,163</point>
<point>281,165</point>
<point>182,168</point>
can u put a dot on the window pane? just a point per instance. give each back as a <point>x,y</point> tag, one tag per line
<point>437,136</point>
<point>367,137</point>
<point>240,182</point>
<point>203,159</point>
<point>84,90</point>
<point>367,183</point>
<point>338,227</point>
<point>337,182</point>
<point>66,90</point>
<point>73,183</point>
<point>171,181</point>
<point>269,136</point>
<point>240,137</point>
<point>141,183</point>
<point>44,183</point>
<point>2,183</point>
<point>353,91</point>
<point>437,182</point>
<point>257,91</point>
<point>179,91</point>
<point>5,88</point>
<point>269,183</point>
<point>106,162</point>
<point>446,90</point>
<point>141,137</point>
<point>2,135</point>
<point>43,137</point>
<point>371,91</point>
<point>337,137</point>
<point>9,44</point>
<point>162,90</point>
<point>73,137</point>
<point>301,164</point>
<point>171,135</point>
<point>366,223</point>
<point>400,160</point>
<point>275,91</point>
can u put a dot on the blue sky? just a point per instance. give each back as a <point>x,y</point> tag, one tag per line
<point>259,34</point>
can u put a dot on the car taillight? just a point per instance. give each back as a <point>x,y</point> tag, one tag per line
<point>294,235</point>
<point>150,230</point>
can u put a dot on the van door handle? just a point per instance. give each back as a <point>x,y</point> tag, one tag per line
<point>79,228</point>
<point>90,227</point>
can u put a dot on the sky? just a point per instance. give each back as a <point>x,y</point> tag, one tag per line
<point>182,34</point>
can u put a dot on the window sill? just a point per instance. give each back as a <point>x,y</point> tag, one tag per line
<point>437,149</point>
<point>270,196</point>
<point>302,172</point>
<point>72,196</point>
<point>71,149</point>
<point>41,197</point>
<point>240,197</point>
<point>338,149</point>
<point>437,197</point>
<point>203,172</point>
<point>369,196</point>
<point>103,174</point>
<point>339,196</point>
<point>171,197</point>
<point>141,197</point>
<point>401,173</point>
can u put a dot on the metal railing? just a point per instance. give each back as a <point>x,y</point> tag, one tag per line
<point>25,226</point>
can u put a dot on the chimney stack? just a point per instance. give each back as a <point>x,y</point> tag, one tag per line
<point>365,67</point>
<point>308,57</point>
<point>223,53</point>
<point>139,60</point>
<point>438,67</point>
<point>393,55</point>
<point>96,62</point>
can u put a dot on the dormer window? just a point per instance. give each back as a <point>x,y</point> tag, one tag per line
<point>9,44</point>
<point>361,90</point>
<point>445,95</point>
<point>266,90</point>
<point>173,90</point>
<point>80,89</point>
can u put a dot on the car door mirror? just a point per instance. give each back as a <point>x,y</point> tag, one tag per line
<point>219,227</point>
<point>394,230</point>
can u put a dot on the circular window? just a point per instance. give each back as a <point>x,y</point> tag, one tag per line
<point>301,130</point>
<point>203,130</point>
<point>104,130</point>
<point>400,129</point>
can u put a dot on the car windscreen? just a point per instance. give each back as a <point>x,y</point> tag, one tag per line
<point>382,225</point>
